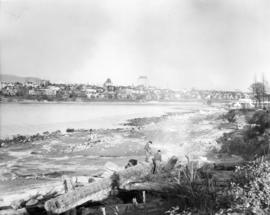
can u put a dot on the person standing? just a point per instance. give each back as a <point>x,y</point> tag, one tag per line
<point>157,156</point>
<point>156,161</point>
<point>148,151</point>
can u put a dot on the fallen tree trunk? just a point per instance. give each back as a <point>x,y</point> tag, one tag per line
<point>96,191</point>
<point>152,208</point>
<point>154,186</point>
<point>229,166</point>
<point>21,211</point>
<point>45,190</point>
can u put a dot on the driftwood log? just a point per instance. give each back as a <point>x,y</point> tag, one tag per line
<point>153,208</point>
<point>96,191</point>
<point>21,211</point>
<point>169,188</point>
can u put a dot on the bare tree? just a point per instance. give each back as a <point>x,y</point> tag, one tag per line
<point>259,90</point>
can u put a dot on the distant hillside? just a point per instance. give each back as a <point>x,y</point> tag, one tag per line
<point>15,78</point>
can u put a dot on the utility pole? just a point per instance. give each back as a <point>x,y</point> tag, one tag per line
<point>254,91</point>
<point>263,90</point>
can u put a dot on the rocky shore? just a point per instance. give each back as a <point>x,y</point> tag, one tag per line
<point>37,163</point>
<point>23,139</point>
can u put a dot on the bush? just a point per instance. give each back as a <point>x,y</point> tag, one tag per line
<point>70,130</point>
<point>250,191</point>
<point>251,141</point>
<point>246,143</point>
<point>261,119</point>
<point>197,194</point>
<point>230,116</point>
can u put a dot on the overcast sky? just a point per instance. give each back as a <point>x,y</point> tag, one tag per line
<point>179,44</point>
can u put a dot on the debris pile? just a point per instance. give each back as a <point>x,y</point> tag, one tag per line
<point>132,190</point>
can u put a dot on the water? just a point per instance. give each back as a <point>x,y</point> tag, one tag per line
<point>191,134</point>
<point>29,119</point>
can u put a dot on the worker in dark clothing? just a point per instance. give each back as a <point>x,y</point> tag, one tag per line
<point>157,156</point>
<point>156,161</point>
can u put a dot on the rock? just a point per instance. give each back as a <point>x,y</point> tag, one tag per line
<point>40,197</point>
<point>31,203</point>
<point>171,163</point>
<point>131,162</point>
<point>17,204</point>
<point>35,153</point>
<point>91,180</point>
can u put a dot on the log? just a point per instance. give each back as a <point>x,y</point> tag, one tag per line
<point>152,208</point>
<point>25,193</point>
<point>227,166</point>
<point>96,191</point>
<point>170,188</point>
<point>21,211</point>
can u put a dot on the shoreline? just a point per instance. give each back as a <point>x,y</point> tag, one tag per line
<point>168,102</point>
<point>132,122</point>
<point>79,115</point>
<point>111,141</point>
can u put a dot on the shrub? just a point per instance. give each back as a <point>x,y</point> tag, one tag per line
<point>70,130</point>
<point>261,119</point>
<point>252,140</point>
<point>230,116</point>
<point>250,190</point>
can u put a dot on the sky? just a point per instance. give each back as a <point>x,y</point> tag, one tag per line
<point>203,44</point>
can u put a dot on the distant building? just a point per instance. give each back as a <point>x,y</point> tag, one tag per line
<point>9,91</point>
<point>143,81</point>
<point>243,104</point>
<point>51,91</point>
<point>91,93</point>
<point>109,88</point>
<point>32,92</point>
<point>30,84</point>
<point>108,83</point>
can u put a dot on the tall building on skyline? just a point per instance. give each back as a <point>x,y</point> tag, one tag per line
<point>143,81</point>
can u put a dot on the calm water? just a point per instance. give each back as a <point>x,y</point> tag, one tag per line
<point>34,118</point>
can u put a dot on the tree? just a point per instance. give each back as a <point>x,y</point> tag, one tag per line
<point>258,91</point>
